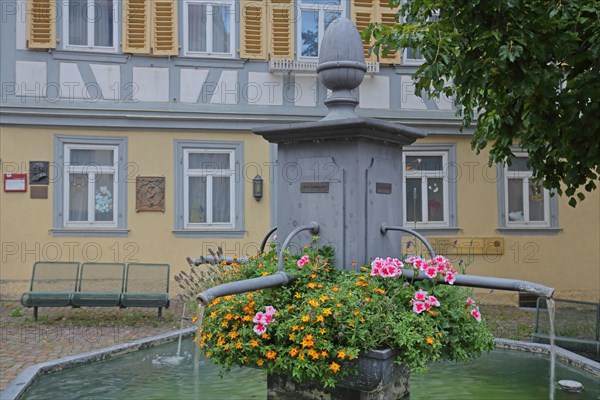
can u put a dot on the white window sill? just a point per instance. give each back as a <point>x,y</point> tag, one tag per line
<point>209,233</point>
<point>529,230</point>
<point>89,232</point>
<point>87,49</point>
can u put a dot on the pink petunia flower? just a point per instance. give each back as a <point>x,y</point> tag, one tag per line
<point>470,301</point>
<point>440,259</point>
<point>270,310</point>
<point>431,272</point>
<point>421,295</point>
<point>259,318</point>
<point>420,264</point>
<point>433,301</point>
<point>419,307</point>
<point>450,277</point>
<point>260,328</point>
<point>303,260</point>
<point>476,314</point>
<point>410,260</point>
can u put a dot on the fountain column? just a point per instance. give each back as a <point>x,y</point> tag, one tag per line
<point>343,171</point>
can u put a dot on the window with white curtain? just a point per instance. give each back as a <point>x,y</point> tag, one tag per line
<point>209,187</point>
<point>426,197</point>
<point>91,24</point>
<point>90,186</point>
<point>315,17</point>
<point>209,27</point>
<point>527,203</point>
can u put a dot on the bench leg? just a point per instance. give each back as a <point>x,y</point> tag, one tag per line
<point>35,313</point>
<point>159,312</point>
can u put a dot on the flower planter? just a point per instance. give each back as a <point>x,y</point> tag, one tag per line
<point>378,378</point>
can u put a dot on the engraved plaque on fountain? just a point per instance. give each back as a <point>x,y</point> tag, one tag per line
<point>317,195</point>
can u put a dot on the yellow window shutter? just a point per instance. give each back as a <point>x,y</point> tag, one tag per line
<point>165,38</point>
<point>41,24</point>
<point>387,16</point>
<point>136,26</point>
<point>281,29</point>
<point>363,13</point>
<point>253,28</point>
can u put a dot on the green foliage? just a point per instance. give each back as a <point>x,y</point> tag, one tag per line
<point>326,317</point>
<point>16,312</point>
<point>527,72</point>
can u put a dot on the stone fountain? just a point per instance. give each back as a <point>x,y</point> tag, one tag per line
<point>341,177</point>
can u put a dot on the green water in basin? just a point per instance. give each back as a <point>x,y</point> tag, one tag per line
<point>155,374</point>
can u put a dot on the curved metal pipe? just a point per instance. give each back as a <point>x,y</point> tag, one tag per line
<point>486,282</point>
<point>279,278</point>
<point>384,228</point>
<point>312,226</point>
<point>264,242</point>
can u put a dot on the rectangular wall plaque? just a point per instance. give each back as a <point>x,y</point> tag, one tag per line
<point>314,187</point>
<point>150,193</point>
<point>383,188</point>
<point>38,192</point>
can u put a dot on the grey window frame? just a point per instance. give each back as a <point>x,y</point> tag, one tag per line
<point>58,198</point>
<point>450,174</point>
<point>179,148</point>
<point>503,227</point>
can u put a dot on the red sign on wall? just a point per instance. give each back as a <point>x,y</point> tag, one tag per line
<point>15,182</point>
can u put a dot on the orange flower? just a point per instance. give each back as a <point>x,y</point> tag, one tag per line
<point>367,299</point>
<point>432,312</point>
<point>327,312</point>
<point>378,290</point>
<point>295,327</point>
<point>260,362</point>
<point>429,340</point>
<point>224,324</point>
<point>324,354</point>
<point>341,354</point>
<point>301,356</point>
<point>305,318</point>
<point>292,336</point>
<point>323,298</point>
<point>213,314</point>
<point>313,303</point>
<point>265,273</point>
<point>229,317</point>
<point>233,334</point>
<point>238,345</point>
<point>194,320</point>
<point>311,285</point>
<point>271,354</point>
<point>335,288</point>
<point>322,331</point>
<point>320,318</point>
<point>297,295</point>
<point>294,352</point>
<point>247,318</point>
<point>265,336</point>
<point>308,341</point>
<point>260,265</point>
<point>313,275</point>
<point>335,367</point>
<point>440,334</point>
<point>253,343</point>
<point>250,296</point>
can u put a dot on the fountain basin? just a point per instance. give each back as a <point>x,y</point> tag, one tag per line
<point>498,375</point>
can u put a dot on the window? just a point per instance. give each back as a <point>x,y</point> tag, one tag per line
<point>91,24</point>
<point>525,203</point>
<point>413,55</point>
<point>209,27</point>
<point>429,184</point>
<point>91,192</point>
<point>209,188</point>
<point>315,17</point>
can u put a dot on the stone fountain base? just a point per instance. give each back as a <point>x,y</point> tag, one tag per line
<point>378,378</point>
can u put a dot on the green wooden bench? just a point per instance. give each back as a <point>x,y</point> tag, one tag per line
<point>63,284</point>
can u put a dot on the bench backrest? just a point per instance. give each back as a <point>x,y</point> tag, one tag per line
<point>147,278</point>
<point>101,277</point>
<point>48,276</point>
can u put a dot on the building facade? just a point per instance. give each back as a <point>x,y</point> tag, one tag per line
<point>130,124</point>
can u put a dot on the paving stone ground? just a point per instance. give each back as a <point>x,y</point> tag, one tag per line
<point>63,331</point>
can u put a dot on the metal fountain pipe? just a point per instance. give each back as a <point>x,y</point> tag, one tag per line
<point>264,242</point>
<point>312,226</point>
<point>384,228</point>
<point>279,278</point>
<point>484,282</point>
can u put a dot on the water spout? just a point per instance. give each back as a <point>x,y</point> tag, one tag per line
<point>485,282</point>
<point>279,278</point>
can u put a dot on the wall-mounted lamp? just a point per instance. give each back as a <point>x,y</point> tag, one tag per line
<point>257,187</point>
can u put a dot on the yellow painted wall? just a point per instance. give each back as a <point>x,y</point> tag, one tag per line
<point>568,261</point>
<point>25,223</point>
